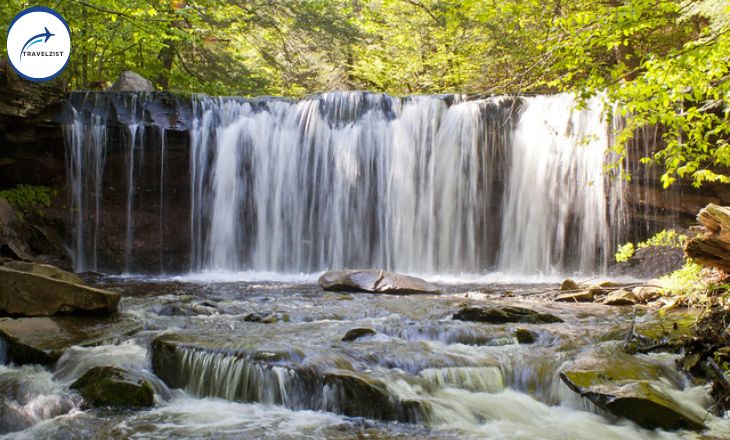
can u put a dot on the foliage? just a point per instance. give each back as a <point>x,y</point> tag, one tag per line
<point>29,199</point>
<point>661,63</point>
<point>625,252</point>
<point>685,281</point>
<point>664,238</point>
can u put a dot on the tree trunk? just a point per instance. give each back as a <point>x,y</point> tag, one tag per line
<point>711,246</point>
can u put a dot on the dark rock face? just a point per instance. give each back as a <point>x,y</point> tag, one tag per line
<point>376,281</point>
<point>32,294</point>
<point>43,340</point>
<point>503,314</point>
<point>129,81</point>
<point>114,387</point>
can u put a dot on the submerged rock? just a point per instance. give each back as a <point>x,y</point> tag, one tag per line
<point>114,387</point>
<point>620,297</point>
<point>503,314</point>
<point>44,269</point>
<point>357,333</point>
<point>376,281</point>
<point>43,340</point>
<point>262,317</point>
<point>524,336</point>
<point>31,294</point>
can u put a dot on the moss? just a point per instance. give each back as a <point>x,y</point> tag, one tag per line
<point>29,199</point>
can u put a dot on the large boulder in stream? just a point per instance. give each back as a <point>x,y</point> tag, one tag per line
<point>631,387</point>
<point>503,314</point>
<point>105,386</point>
<point>129,81</point>
<point>376,281</point>
<point>43,340</point>
<point>46,270</point>
<point>34,293</point>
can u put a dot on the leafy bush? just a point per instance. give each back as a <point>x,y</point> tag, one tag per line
<point>666,238</point>
<point>28,199</point>
<point>625,252</point>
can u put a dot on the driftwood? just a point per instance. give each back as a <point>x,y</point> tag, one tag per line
<point>711,246</point>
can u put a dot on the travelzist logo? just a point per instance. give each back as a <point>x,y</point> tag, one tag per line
<point>39,43</point>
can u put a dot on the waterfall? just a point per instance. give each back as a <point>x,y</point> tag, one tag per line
<point>423,184</point>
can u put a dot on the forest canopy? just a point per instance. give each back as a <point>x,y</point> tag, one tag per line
<point>662,62</point>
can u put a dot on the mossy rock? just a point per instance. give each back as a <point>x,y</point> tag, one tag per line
<point>524,336</point>
<point>114,387</point>
<point>356,333</point>
<point>630,387</point>
<point>503,314</point>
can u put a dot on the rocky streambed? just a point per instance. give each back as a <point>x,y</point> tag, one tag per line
<point>284,359</point>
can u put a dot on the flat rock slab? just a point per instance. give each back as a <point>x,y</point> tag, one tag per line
<point>44,269</point>
<point>375,281</point>
<point>629,387</point>
<point>33,294</point>
<point>43,340</point>
<point>503,315</point>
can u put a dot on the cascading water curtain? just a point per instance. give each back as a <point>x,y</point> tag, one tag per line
<point>421,184</point>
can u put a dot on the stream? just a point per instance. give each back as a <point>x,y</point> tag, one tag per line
<point>454,379</point>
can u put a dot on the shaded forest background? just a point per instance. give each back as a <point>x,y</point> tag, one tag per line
<point>664,62</point>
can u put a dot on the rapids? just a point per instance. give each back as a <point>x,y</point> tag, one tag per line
<point>475,379</point>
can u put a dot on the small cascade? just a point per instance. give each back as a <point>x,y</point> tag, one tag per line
<point>476,379</point>
<point>423,184</point>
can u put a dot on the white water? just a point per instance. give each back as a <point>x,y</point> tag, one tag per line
<point>426,184</point>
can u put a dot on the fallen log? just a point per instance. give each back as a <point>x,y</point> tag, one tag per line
<point>711,246</point>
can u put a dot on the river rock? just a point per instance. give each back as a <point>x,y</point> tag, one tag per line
<point>524,336</point>
<point>273,372</point>
<point>569,284</point>
<point>503,314</point>
<point>43,340</point>
<point>114,387</point>
<point>620,297</point>
<point>129,81</point>
<point>641,402</point>
<point>44,269</point>
<point>32,294</point>
<point>262,317</point>
<point>630,387</point>
<point>376,281</point>
<point>587,295</point>
<point>357,333</point>
<point>647,293</point>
